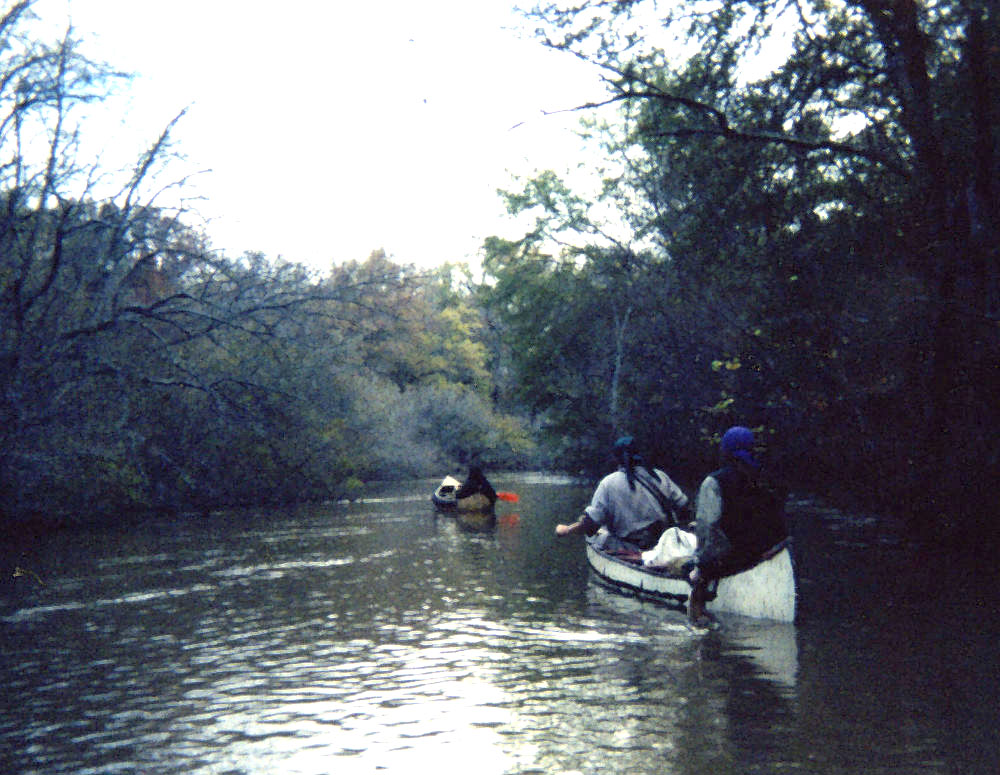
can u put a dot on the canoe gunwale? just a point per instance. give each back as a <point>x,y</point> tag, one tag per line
<point>629,576</point>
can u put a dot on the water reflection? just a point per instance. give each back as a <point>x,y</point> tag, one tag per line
<point>771,647</point>
<point>381,636</point>
<point>476,521</point>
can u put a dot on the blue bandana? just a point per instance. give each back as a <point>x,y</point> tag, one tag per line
<point>738,442</point>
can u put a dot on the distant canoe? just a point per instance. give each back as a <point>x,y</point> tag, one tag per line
<point>444,497</point>
<point>765,591</point>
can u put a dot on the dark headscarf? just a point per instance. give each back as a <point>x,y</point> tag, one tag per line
<point>628,458</point>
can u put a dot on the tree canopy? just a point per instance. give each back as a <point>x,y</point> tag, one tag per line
<point>813,184</point>
<point>140,368</point>
<point>795,229</point>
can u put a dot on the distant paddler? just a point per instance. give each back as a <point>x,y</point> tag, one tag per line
<point>476,492</point>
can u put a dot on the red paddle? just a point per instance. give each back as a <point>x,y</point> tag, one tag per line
<point>510,497</point>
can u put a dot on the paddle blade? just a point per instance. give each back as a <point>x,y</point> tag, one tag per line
<point>510,497</point>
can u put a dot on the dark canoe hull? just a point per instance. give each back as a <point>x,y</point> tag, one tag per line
<point>445,504</point>
<point>765,591</point>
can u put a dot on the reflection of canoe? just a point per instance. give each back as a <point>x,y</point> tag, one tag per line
<point>771,645</point>
<point>444,498</point>
<point>476,521</point>
<point>765,591</point>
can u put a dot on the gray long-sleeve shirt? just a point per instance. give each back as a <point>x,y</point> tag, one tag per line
<point>623,510</point>
<point>712,542</point>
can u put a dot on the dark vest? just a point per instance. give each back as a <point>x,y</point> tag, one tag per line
<point>753,513</point>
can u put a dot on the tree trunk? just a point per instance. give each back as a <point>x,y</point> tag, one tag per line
<point>621,327</point>
<point>982,203</point>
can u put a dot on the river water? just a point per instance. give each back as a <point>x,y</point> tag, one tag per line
<point>379,636</point>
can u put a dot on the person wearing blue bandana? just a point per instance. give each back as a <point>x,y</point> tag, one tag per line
<point>738,518</point>
<point>631,506</point>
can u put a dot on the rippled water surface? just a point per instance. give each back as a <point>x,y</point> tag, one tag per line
<point>380,636</point>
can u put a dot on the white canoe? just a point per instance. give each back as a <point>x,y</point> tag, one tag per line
<point>765,591</point>
<point>444,496</point>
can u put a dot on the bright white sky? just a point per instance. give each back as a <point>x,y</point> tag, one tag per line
<point>335,128</point>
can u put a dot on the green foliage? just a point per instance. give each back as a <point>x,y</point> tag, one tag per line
<point>425,429</point>
<point>817,181</point>
<point>585,333</point>
<point>139,369</point>
<point>806,245</point>
<point>411,327</point>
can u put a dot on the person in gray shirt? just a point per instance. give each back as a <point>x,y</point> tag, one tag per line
<point>631,506</point>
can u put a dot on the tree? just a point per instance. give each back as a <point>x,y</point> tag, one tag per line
<point>587,319</point>
<point>407,326</point>
<point>871,144</point>
<point>140,368</point>
<point>124,376</point>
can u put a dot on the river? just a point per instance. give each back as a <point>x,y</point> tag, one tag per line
<point>379,636</point>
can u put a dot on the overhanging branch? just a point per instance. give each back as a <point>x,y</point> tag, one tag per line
<point>719,126</point>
